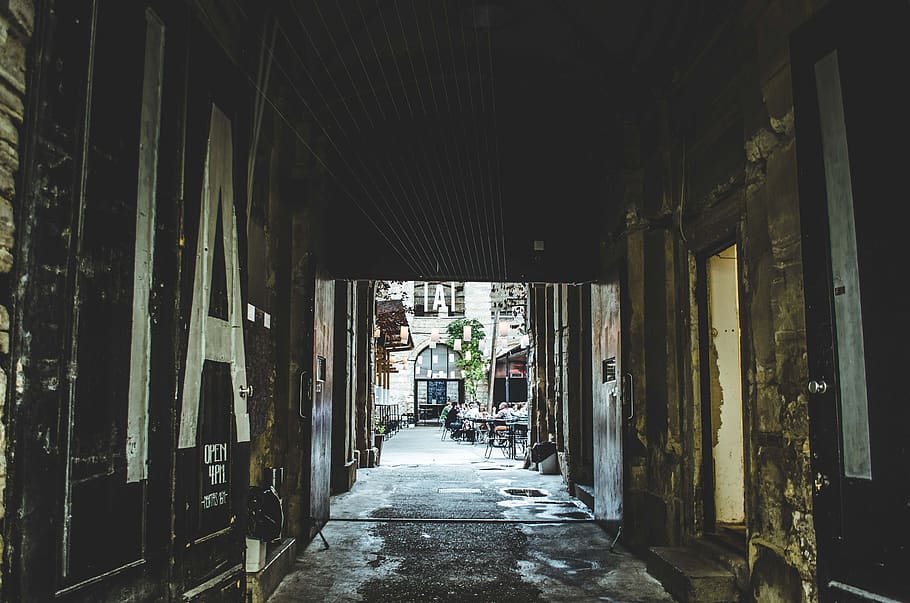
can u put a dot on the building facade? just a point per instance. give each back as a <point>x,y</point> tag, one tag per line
<point>426,376</point>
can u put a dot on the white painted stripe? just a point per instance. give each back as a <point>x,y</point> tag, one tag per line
<point>859,592</point>
<point>143,260</point>
<point>851,357</point>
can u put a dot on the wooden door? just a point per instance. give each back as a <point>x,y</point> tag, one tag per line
<point>213,425</point>
<point>317,471</point>
<point>607,399</point>
<point>850,66</point>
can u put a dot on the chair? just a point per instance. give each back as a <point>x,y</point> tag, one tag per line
<point>499,435</point>
<point>521,438</point>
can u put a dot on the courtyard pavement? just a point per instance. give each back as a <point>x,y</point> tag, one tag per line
<point>437,521</point>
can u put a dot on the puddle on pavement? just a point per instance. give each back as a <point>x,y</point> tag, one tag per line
<point>523,492</point>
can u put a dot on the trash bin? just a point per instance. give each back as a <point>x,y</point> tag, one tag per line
<point>549,466</point>
<point>544,454</point>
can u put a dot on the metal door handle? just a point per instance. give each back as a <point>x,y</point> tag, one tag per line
<point>818,387</point>
<point>304,386</point>
<point>631,397</point>
<point>246,391</point>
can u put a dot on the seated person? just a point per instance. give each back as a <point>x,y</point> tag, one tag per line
<point>504,412</point>
<point>452,415</point>
<point>468,416</point>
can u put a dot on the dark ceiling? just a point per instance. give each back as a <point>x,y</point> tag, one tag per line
<point>455,134</point>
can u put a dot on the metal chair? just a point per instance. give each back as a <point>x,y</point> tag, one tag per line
<point>499,435</point>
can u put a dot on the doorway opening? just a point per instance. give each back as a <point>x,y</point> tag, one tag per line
<point>722,400</point>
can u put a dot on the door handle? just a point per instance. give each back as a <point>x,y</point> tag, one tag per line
<point>246,391</point>
<point>818,387</point>
<point>631,397</point>
<point>305,384</point>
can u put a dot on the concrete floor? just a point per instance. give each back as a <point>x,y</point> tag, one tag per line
<point>435,522</point>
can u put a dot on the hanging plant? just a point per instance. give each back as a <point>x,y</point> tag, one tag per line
<point>475,369</point>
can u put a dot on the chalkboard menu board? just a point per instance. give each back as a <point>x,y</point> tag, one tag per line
<point>214,504</point>
<point>436,392</point>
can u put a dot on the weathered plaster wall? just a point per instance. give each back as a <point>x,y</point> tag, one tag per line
<point>266,335</point>
<point>718,165</point>
<point>16,26</point>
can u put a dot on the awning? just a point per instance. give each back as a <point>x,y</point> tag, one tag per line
<point>390,317</point>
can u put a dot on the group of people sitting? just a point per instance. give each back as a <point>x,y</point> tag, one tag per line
<point>467,421</point>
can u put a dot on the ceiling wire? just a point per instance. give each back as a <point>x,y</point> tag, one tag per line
<point>363,66</point>
<point>423,51</point>
<point>493,159</point>
<point>461,239</point>
<point>331,141</point>
<point>341,96</point>
<point>471,259</point>
<point>391,54</point>
<point>497,267</point>
<point>338,52</point>
<point>402,207</point>
<point>487,244</point>
<point>502,238</point>
<point>310,149</point>
<point>485,235</point>
<point>485,247</point>
<point>443,249</point>
<point>429,234</point>
<point>475,257</point>
<point>477,235</point>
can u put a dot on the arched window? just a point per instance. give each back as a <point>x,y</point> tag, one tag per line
<point>437,363</point>
<point>437,382</point>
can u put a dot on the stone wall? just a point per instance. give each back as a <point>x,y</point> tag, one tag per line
<point>16,26</point>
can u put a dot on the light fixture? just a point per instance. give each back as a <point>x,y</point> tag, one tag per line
<point>434,335</point>
<point>466,333</point>
<point>525,341</point>
<point>457,345</point>
<point>403,332</point>
<point>503,329</point>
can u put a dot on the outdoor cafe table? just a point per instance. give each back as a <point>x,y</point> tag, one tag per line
<point>509,423</point>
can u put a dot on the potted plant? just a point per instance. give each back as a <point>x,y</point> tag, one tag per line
<point>378,437</point>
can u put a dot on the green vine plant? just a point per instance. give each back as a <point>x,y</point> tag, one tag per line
<point>378,427</point>
<point>475,369</point>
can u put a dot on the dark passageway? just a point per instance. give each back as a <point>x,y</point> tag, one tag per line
<point>701,201</point>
